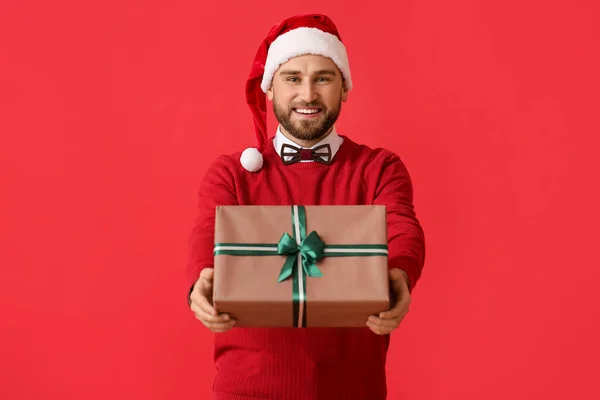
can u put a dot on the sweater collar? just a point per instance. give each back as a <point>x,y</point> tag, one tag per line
<point>333,140</point>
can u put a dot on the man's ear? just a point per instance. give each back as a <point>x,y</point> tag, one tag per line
<point>270,93</point>
<point>344,93</point>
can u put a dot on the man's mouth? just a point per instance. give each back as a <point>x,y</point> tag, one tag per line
<point>307,112</point>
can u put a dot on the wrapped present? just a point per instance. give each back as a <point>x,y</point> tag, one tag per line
<point>301,266</point>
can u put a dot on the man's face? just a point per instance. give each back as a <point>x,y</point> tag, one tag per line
<point>307,94</point>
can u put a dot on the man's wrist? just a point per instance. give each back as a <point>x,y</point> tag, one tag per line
<point>405,278</point>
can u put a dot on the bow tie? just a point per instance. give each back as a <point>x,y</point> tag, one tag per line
<point>320,154</point>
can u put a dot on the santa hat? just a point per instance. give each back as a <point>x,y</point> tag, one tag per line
<point>301,34</point>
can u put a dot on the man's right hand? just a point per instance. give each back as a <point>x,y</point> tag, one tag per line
<point>201,304</point>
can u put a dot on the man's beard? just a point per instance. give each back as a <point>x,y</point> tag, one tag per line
<point>309,129</point>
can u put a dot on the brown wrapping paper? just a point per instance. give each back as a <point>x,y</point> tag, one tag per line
<point>352,288</point>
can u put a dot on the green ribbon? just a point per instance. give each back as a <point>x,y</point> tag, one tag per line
<point>311,248</point>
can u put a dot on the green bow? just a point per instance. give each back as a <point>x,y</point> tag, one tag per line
<point>311,249</point>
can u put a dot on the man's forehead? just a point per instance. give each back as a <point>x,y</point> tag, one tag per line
<point>309,63</point>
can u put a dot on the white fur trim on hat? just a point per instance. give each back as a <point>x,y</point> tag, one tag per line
<point>301,41</point>
<point>251,159</point>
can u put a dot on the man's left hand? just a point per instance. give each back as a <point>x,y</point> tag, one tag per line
<point>389,320</point>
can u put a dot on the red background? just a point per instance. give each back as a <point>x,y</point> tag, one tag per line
<point>111,112</point>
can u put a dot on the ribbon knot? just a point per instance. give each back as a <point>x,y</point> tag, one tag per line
<point>311,249</point>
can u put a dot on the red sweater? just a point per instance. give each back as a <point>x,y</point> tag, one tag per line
<point>308,363</point>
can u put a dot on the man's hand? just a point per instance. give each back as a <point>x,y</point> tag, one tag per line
<point>389,320</point>
<point>202,307</point>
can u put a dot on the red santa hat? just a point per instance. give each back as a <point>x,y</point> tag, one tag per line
<point>298,35</point>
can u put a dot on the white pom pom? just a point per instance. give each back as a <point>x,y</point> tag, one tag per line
<point>251,159</point>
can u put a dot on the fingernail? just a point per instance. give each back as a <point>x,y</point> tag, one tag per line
<point>225,317</point>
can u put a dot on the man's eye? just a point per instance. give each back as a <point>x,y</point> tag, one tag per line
<point>292,79</point>
<point>322,79</point>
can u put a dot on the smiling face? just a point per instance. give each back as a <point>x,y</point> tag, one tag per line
<point>307,94</point>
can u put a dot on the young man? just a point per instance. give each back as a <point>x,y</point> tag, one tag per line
<point>302,67</point>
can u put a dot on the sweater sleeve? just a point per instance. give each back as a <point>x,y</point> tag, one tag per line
<point>406,240</point>
<point>216,188</point>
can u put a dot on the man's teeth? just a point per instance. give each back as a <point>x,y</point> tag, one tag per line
<point>307,110</point>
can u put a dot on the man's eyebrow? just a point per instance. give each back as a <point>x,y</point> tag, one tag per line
<point>325,72</point>
<point>319,72</point>
<point>289,72</point>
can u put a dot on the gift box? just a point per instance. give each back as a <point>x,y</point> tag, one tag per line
<point>301,266</point>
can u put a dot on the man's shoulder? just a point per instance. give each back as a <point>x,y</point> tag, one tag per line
<point>227,161</point>
<point>371,153</point>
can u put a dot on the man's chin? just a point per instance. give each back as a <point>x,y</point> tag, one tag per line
<point>306,135</point>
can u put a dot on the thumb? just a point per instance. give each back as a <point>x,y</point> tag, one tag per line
<point>207,274</point>
<point>205,282</point>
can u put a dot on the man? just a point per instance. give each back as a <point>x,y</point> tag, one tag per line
<point>302,67</point>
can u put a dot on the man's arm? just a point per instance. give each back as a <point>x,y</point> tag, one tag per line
<point>216,189</point>
<point>406,239</point>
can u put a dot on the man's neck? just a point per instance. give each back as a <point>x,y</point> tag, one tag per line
<point>305,143</point>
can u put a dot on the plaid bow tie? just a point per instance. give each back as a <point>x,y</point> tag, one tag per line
<point>320,154</point>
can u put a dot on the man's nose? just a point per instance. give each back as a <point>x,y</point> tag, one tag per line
<point>308,93</point>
